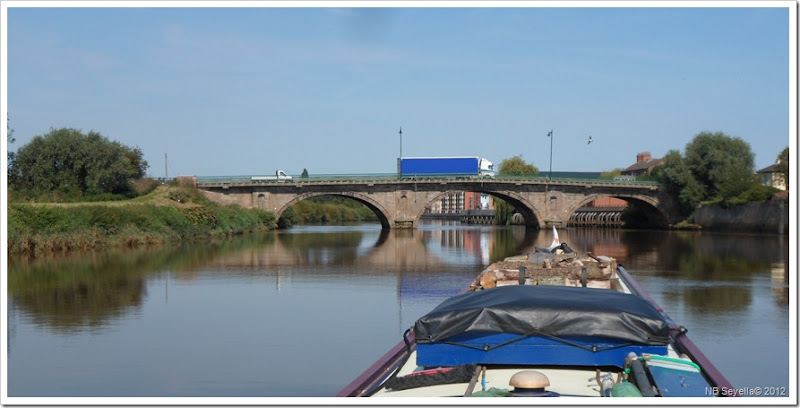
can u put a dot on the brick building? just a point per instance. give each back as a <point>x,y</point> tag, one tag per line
<point>644,165</point>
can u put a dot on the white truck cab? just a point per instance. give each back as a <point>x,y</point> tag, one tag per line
<point>280,176</point>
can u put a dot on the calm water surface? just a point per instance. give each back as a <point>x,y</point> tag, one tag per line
<point>303,312</point>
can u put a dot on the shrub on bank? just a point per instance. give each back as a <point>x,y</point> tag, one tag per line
<point>35,227</point>
<point>326,209</point>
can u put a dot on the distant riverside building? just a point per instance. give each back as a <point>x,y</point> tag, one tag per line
<point>451,202</point>
<point>606,202</point>
<point>458,201</point>
<point>772,176</point>
<point>644,165</point>
<point>474,201</point>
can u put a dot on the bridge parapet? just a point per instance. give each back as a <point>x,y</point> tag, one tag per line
<point>219,181</point>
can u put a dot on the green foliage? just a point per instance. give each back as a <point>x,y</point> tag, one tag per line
<point>716,167</point>
<point>75,164</point>
<point>327,209</point>
<point>611,173</point>
<point>723,165</point>
<point>10,139</point>
<point>756,193</point>
<point>35,227</point>
<point>678,181</point>
<point>288,219</point>
<point>304,174</point>
<point>503,211</point>
<point>517,166</point>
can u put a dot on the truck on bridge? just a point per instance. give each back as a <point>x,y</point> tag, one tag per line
<point>445,166</point>
<point>279,176</point>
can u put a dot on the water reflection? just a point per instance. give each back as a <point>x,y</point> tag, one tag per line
<point>314,282</point>
<point>86,290</point>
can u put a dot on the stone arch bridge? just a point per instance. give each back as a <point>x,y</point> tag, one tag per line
<point>399,203</point>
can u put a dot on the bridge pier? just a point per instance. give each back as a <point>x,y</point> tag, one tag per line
<point>404,224</point>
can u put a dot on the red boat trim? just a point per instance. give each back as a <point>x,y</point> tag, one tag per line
<point>372,376</point>
<point>682,341</point>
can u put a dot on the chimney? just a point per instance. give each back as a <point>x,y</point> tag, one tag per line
<point>642,157</point>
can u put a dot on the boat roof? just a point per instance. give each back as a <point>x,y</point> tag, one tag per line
<point>558,311</point>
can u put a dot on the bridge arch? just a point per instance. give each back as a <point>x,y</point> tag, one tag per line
<point>376,207</point>
<point>650,205</point>
<point>531,215</point>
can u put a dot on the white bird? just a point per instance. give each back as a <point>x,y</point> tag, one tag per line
<point>590,140</point>
<point>556,241</point>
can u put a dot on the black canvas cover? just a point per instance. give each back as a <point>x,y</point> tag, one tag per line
<point>551,310</point>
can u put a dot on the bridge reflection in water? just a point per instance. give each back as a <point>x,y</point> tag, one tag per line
<point>730,290</point>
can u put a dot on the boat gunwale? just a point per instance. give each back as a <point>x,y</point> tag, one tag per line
<point>682,340</point>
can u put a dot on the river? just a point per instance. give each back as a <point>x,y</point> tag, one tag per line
<point>302,312</point>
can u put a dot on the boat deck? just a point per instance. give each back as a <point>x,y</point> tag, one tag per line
<point>478,360</point>
<point>567,382</point>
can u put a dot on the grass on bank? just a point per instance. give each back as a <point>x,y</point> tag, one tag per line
<point>167,214</point>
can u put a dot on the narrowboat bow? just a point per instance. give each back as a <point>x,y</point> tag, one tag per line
<point>545,325</point>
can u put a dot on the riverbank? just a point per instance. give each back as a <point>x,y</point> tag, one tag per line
<point>168,214</point>
<point>770,216</point>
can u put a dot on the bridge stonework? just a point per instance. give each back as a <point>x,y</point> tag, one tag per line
<point>400,204</point>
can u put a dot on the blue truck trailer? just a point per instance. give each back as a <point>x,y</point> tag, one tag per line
<point>446,166</point>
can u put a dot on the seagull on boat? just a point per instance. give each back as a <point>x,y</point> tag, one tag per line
<point>556,242</point>
<point>557,247</point>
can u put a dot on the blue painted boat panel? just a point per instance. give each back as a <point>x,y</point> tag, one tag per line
<point>490,349</point>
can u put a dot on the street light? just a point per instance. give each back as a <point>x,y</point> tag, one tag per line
<point>400,158</point>
<point>401,142</point>
<point>550,135</point>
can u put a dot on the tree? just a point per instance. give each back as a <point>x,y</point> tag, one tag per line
<point>783,167</point>
<point>10,139</point>
<point>679,182</point>
<point>511,166</point>
<point>722,164</point>
<point>611,173</point>
<point>517,166</point>
<point>304,174</point>
<point>72,162</point>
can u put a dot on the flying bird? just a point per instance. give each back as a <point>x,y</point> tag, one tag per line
<point>590,140</point>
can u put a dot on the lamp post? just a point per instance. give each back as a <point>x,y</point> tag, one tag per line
<point>401,142</point>
<point>400,158</point>
<point>550,135</point>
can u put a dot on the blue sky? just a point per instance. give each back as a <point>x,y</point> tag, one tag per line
<point>229,91</point>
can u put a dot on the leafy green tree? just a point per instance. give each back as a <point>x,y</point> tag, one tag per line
<point>69,161</point>
<point>678,181</point>
<point>517,166</point>
<point>304,174</point>
<point>10,139</point>
<point>722,164</point>
<point>503,211</point>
